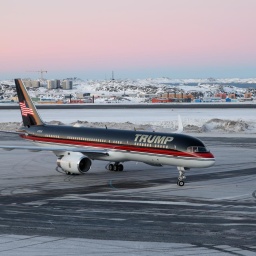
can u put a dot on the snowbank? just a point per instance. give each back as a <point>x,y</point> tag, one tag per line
<point>211,127</point>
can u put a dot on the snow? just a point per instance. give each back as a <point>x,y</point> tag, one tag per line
<point>137,89</point>
<point>199,121</point>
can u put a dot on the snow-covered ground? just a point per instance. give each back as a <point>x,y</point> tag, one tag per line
<point>199,121</point>
<point>140,90</point>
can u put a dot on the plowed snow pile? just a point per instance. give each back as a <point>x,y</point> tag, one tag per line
<point>212,126</point>
<point>219,125</point>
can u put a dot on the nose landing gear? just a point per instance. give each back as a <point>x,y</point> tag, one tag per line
<point>181,177</point>
<point>180,183</point>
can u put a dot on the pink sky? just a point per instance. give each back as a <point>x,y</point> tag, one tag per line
<point>136,38</point>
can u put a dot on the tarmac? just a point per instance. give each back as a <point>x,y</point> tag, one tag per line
<point>140,211</point>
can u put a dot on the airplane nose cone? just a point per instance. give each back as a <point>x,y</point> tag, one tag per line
<point>210,159</point>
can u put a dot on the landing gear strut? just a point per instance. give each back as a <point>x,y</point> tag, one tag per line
<point>116,167</point>
<point>181,177</point>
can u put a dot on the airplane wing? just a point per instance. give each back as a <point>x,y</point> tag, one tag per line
<point>12,132</point>
<point>87,152</point>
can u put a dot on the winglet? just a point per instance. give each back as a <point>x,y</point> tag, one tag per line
<point>180,125</point>
<point>28,110</point>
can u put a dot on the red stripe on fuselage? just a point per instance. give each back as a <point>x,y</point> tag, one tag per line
<point>103,145</point>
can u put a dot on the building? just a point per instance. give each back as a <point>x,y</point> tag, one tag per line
<point>31,83</point>
<point>221,95</point>
<point>35,84</point>
<point>27,83</point>
<point>161,100</point>
<point>57,83</point>
<point>67,85</point>
<point>51,84</point>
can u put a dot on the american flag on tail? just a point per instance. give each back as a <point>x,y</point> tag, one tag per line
<point>25,110</point>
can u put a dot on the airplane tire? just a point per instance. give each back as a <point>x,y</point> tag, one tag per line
<point>115,168</point>
<point>120,167</point>
<point>180,183</point>
<point>111,167</point>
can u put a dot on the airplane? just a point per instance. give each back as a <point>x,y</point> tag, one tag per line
<point>77,147</point>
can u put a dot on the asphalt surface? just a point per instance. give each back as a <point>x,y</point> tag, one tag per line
<point>214,211</point>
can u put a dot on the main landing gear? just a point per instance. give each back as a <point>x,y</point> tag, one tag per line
<point>116,167</point>
<point>181,177</point>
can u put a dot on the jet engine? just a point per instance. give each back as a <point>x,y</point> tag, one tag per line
<point>74,163</point>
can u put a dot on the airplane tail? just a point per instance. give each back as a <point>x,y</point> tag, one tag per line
<point>28,110</point>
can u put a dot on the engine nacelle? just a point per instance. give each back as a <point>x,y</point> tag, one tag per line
<point>74,162</point>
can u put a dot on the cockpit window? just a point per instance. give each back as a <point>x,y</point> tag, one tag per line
<point>196,149</point>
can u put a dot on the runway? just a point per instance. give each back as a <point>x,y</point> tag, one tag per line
<point>138,211</point>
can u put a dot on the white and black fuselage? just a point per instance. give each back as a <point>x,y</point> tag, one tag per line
<point>149,147</point>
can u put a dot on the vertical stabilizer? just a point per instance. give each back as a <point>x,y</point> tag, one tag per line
<point>28,110</point>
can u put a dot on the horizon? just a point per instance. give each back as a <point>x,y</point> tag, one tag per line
<point>65,75</point>
<point>232,79</point>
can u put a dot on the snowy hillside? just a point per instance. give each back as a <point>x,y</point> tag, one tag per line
<point>140,90</point>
